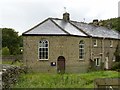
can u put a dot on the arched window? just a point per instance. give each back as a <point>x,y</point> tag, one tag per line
<point>43,49</point>
<point>81,50</point>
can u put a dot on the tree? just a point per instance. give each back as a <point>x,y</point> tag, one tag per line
<point>118,28</point>
<point>11,40</point>
<point>5,51</point>
<point>21,41</point>
<point>117,53</point>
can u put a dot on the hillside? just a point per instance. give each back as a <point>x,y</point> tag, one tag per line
<point>113,23</point>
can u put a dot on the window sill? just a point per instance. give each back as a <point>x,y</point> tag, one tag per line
<point>95,45</point>
<point>43,60</point>
<point>81,59</point>
<point>113,60</point>
<point>111,46</point>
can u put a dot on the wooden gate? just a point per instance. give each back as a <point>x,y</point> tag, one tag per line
<point>61,64</point>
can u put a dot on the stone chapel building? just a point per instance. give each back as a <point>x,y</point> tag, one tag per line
<point>62,45</point>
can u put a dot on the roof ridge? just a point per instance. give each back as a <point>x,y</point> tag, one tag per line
<point>69,20</point>
<point>79,29</point>
<point>78,22</point>
<point>56,18</point>
<point>60,27</point>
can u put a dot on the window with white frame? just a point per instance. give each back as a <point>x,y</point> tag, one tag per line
<point>97,61</point>
<point>111,43</point>
<point>95,42</point>
<point>43,50</point>
<point>81,50</point>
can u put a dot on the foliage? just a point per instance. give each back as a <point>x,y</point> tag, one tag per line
<point>117,53</point>
<point>11,40</point>
<point>10,63</point>
<point>14,60</point>
<point>116,66</point>
<point>39,80</point>
<point>93,66</point>
<point>5,51</point>
<point>113,23</point>
<point>118,24</point>
<point>21,41</point>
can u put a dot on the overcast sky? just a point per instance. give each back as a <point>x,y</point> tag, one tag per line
<point>21,15</point>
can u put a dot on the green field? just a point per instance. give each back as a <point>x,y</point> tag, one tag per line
<point>39,80</point>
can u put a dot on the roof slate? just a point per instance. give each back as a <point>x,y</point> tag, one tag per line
<point>69,28</point>
<point>47,27</point>
<point>54,26</point>
<point>97,31</point>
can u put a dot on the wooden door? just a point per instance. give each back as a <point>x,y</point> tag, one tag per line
<point>61,64</point>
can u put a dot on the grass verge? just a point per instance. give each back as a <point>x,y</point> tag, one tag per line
<point>39,80</point>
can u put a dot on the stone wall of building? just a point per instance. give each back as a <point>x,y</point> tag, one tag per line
<point>67,46</point>
<point>103,50</point>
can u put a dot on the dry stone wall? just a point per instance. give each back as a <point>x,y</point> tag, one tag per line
<point>10,74</point>
<point>108,83</point>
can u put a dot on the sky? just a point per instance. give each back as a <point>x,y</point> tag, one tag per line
<point>21,15</point>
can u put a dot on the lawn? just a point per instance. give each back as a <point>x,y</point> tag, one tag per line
<point>39,80</point>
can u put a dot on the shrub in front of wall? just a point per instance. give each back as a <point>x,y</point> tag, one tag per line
<point>5,51</point>
<point>116,66</point>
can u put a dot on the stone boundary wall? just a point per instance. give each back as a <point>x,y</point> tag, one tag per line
<point>109,83</point>
<point>12,57</point>
<point>10,74</point>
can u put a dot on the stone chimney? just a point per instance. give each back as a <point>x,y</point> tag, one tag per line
<point>95,22</point>
<point>66,17</point>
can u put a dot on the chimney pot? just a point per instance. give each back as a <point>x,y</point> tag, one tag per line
<point>95,22</point>
<point>66,16</point>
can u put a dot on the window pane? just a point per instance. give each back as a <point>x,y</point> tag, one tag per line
<point>46,57</point>
<point>81,50</point>
<point>40,55</point>
<point>39,49</point>
<point>47,49</point>
<point>40,41</point>
<point>43,55</point>
<point>95,42</point>
<point>46,45</point>
<point>81,46</point>
<point>46,41</point>
<point>40,44</point>
<point>46,53</point>
<point>97,61</point>
<point>80,57</point>
<point>44,49</point>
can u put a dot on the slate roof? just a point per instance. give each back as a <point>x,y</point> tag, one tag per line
<point>97,31</point>
<point>54,26</point>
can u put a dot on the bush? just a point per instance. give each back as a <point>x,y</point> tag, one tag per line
<point>116,66</point>
<point>5,51</point>
<point>117,58</point>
